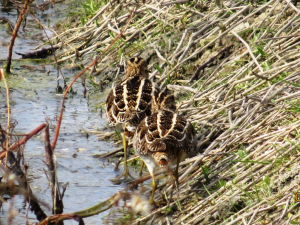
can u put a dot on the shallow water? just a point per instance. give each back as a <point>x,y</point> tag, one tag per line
<point>33,100</point>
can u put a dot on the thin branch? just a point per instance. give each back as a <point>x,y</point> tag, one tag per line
<point>249,50</point>
<point>14,35</point>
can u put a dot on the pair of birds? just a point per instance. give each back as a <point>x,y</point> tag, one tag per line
<point>161,137</point>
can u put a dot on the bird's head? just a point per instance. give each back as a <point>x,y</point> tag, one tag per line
<point>137,67</point>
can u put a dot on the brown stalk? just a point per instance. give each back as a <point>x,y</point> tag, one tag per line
<point>16,169</point>
<point>28,136</point>
<point>56,196</point>
<point>14,35</point>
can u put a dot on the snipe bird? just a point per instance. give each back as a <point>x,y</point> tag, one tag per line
<point>129,102</point>
<point>164,138</point>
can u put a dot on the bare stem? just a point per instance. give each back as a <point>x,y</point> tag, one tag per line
<point>14,35</point>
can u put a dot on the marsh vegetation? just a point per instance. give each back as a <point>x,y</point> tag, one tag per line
<point>234,68</point>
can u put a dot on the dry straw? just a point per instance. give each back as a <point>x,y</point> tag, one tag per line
<point>243,102</point>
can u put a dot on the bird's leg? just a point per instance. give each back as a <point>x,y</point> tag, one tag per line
<point>126,173</point>
<point>125,144</point>
<point>141,168</point>
<point>154,187</point>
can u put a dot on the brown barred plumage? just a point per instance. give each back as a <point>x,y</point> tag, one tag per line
<point>164,138</point>
<point>130,101</point>
<point>163,100</point>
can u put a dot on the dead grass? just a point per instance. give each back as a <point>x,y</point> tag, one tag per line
<point>235,69</point>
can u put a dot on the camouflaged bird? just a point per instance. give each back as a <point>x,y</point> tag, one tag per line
<point>164,138</point>
<point>130,101</point>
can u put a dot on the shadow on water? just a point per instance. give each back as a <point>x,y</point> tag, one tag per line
<point>33,100</point>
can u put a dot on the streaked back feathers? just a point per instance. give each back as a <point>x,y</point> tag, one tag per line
<point>164,100</point>
<point>163,135</point>
<point>130,101</point>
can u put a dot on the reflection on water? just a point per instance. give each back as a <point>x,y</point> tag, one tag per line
<point>33,101</point>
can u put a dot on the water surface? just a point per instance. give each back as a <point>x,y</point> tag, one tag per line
<point>33,101</point>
